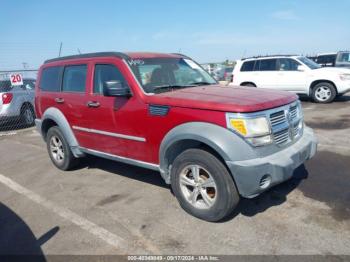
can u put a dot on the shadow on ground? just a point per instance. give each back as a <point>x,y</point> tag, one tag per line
<point>325,178</point>
<point>129,171</point>
<point>17,241</point>
<point>338,99</point>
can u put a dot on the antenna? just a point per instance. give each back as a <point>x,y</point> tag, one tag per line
<point>79,51</point>
<point>59,53</point>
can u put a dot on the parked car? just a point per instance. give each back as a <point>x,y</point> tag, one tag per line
<point>17,102</point>
<point>297,74</point>
<point>223,73</point>
<point>212,143</point>
<point>339,59</point>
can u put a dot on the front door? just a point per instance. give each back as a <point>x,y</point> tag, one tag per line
<point>289,77</point>
<point>114,123</point>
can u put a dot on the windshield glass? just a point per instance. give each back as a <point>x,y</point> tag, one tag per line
<point>157,75</point>
<point>309,63</point>
<point>344,57</point>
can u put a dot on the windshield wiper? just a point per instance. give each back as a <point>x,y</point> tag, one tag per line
<point>203,83</point>
<point>157,88</point>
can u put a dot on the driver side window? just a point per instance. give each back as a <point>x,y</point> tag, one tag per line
<point>287,64</point>
<point>105,72</point>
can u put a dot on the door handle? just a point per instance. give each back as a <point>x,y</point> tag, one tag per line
<point>59,100</point>
<point>93,104</point>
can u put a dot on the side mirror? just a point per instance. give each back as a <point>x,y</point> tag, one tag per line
<point>115,88</point>
<point>301,68</point>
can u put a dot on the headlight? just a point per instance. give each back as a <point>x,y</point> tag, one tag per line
<point>254,130</point>
<point>345,77</point>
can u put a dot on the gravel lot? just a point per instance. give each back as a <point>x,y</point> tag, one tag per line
<point>104,207</point>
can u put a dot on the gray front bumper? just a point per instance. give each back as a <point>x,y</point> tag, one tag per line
<point>279,166</point>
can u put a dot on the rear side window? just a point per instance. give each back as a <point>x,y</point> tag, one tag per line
<point>5,86</point>
<point>248,66</point>
<point>51,79</point>
<point>74,78</point>
<point>105,73</point>
<point>268,65</point>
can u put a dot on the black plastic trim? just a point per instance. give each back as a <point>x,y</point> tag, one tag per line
<point>89,55</point>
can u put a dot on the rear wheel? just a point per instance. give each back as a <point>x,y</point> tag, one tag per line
<point>27,115</point>
<point>203,185</point>
<point>59,150</point>
<point>324,93</point>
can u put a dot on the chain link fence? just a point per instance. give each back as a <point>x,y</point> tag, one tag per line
<point>16,100</point>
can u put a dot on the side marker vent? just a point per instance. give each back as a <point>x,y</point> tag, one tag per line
<point>157,110</point>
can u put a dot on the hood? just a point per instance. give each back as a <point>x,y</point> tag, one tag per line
<point>335,70</point>
<point>224,98</point>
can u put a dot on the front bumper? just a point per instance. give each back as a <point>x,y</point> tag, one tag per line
<point>343,87</point>
<point>278,166</point>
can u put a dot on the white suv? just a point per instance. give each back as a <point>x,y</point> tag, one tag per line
<point>297,74</point>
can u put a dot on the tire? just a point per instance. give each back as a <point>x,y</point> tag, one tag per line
<point>27,115</point>
<point>214,195</point>
<point>59,150</point>
<point>323,93</point>
<point>248,84</point>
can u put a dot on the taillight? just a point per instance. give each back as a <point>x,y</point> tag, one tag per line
<point>6,98</point>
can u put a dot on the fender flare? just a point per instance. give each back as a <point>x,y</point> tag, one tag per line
<point>58,117</point>
<point>227,144</point>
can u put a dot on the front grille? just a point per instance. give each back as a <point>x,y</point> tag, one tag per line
<point>277,118</point>
<point>286,124</point>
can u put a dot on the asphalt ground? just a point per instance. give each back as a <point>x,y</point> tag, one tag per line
<point>108,208</point>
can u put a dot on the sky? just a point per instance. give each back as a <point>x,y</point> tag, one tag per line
<point>208,31</point>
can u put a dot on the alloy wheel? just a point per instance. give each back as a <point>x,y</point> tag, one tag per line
<point>56,149</point>
<point>198,186</point>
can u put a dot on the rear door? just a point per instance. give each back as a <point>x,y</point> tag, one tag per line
<point>266,74</point>
<point>73,98</point>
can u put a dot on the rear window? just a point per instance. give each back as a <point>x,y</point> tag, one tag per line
<point>248,66</point>
<point>5,86</point>
<point>74,78</point>
<point>51,79</point>
<point>268,65</point>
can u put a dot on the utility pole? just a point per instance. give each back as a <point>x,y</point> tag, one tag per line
<point>59,53</point>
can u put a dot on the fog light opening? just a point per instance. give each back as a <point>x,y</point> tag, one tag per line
<point>265,181</point>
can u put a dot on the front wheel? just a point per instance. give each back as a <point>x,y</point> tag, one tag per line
<point>323,93</point>
<point>203,186</point>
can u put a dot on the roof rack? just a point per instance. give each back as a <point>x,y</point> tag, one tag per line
<point>88,55</point>
<point>262,56</point>
<point>185,56</point>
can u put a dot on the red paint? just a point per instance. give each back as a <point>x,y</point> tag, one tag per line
<point>130,116</point>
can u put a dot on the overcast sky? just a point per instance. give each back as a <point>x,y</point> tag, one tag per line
<point>207,31</point>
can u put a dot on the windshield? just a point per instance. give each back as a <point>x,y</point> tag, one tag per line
<point>157,75</point>
<point>309,63</point>
<point>344,57</point>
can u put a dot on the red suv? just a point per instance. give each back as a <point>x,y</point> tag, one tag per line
<point>212,143</point>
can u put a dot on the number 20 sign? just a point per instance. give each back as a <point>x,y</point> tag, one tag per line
<point>16,79</point>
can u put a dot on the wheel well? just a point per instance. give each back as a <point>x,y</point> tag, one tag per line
<point>180,146</point>
<point>46,125</point>
<point>247,83</point>
<point>314,83</point>
<point>26,104</point>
